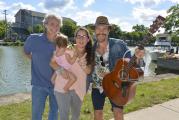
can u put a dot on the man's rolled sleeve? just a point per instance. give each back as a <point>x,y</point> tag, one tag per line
<point>28,45</point>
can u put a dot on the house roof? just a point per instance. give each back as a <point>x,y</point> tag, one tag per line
<point>39,14</point>
<point>33,13</point>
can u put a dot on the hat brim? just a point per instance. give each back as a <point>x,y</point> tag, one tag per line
<point>94,25</point>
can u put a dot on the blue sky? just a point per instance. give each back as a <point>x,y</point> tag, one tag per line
<point>124,13</point>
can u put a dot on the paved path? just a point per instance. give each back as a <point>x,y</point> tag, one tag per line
<point>14,98</point>
<point>159,77</point>
<point>165,111</point>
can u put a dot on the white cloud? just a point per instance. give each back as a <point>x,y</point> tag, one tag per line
<point>146,3</point>
<point>85,17</point>
<point>126,26</point>
<point>149,3</point>
<point>67,8</point>
<point>64,8</point>
<point>20,5</point>
<point>88,16</point>
<point>174,1</point>
<point>13,9</point>
<point>122,23</point>
<point>57,6</point>
<point>146,15</point>
<point>88,3</point>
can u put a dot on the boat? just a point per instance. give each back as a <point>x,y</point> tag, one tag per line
<point>161,46</point>
<point>171,63</point>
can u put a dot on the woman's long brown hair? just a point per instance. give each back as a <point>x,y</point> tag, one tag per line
<point>89,46</point>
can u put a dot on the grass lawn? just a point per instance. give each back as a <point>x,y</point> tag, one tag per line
<point>147,95</point>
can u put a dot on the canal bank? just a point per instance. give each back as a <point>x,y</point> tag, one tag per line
<point>20,97</point>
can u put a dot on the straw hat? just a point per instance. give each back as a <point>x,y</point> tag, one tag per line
<point>102,20</point>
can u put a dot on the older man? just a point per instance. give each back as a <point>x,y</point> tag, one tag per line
<point>39,48</point>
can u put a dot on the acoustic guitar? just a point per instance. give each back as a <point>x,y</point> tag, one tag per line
<point>120,84</point>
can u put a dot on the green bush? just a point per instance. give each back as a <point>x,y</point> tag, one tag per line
<point>18,43</point>
<point>10,43</point>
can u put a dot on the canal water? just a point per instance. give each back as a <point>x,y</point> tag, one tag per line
<point>15,70</point>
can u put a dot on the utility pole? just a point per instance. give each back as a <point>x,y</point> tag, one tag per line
<point>5,13</point>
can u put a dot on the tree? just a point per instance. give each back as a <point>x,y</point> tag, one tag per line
<point>68,28</point>
<point>29,29</point>
<point>38,28</point>
<point>2,28</point>
<point>90,28</point>
<point>139,28</point>
<point>135,37</point>
<point>115,31</point>
<point>175,39</point>
<point>172,20</point>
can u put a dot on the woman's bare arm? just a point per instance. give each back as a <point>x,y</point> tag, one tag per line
<point>83,63</point>
<point>87,69</point>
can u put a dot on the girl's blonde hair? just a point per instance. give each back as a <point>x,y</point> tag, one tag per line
<point>61,40</point>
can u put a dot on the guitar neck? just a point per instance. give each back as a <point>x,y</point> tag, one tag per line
<point>131,63</point>
<point>153,28</point>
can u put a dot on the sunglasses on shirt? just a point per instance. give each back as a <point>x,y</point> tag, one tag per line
<point>102,61</point>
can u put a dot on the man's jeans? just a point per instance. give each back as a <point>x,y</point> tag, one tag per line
<point>39,96</point>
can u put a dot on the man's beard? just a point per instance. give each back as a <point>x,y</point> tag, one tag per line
<point>101,40</point>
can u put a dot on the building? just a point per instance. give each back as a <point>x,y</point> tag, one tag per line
<point>24,22</point>
<point>27,18</point>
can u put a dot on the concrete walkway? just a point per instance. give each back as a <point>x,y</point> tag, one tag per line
<point>165,111</point>
<point>14,98</point>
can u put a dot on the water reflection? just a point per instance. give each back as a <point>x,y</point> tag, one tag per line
<point>15,70</point>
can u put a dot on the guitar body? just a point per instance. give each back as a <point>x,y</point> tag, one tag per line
<point>119,85</point>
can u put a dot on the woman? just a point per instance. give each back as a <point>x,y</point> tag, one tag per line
<point>81,68</point>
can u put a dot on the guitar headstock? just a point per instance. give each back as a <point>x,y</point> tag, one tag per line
<point>156,24</point>
<point>153,28</point>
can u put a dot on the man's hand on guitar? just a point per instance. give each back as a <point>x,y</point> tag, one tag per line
<point>139,53</point>
<point>126,59</point>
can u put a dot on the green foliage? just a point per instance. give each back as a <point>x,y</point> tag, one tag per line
<point>175,38</point>
<point>68,28</point>
<point>18,43</point>
<point>29,29</point>
<point>172,20</point>
<point>115,31</point>
<point>10,43</point>
<point>2,28</point>
<point>90,28</point>
<point>38,28</point>
<point>147,94</point>
<point>139,28</point>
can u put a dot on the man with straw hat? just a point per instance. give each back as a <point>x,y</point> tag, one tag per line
<point>105,47</point>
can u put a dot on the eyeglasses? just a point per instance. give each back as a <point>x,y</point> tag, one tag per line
<point>102,61</point>
<point>82,37</point>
